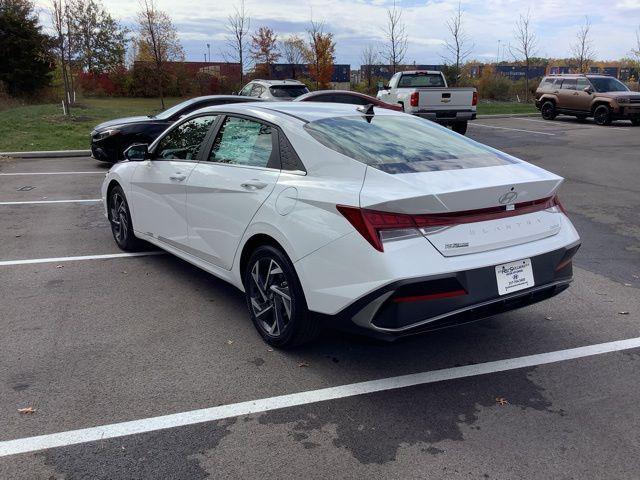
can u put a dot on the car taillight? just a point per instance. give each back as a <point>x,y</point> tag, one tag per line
<point>376,226</point>
<point>474,102</point>
<point>414,99</point>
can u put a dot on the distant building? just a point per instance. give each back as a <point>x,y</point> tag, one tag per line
<point>516,72</point>
<point>386,71</point>
<point>219,70</point>
<point>340,79</point>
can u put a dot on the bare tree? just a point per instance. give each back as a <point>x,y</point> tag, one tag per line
<point>635,52</point>
<point>158,41</point>
<point>293,51</point>
<point>59,20</point>
<point>369,58</point>
<point>458,47</point>
<point>526,46</point>
<point>396,36</point>
<point>238,28</point>
<point>583,52</point>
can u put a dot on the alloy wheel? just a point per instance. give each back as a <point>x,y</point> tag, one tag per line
<point>548,111</point>
<point>118,217</point>
<point>602,116</point>
<point>270,296</point>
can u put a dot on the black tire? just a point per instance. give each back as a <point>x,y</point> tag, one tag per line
<point>635,122</point>
<point>460,127</point>
<point>267,291</point>
<point>548,110</point>
<point>120,220</point>
<point>602,115</point>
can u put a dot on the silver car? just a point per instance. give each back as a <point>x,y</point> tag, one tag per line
<point>274,90</point>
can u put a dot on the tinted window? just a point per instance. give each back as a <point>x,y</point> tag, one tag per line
<point>569,84</point>
<point>402,144</point>
<point>288,91</point>
<point>243,142</point>
<point>183,142</point>
<point>323,98</point>
<point>352,99</point>
<point>603,84</point>
<point>421,80</point>
<point>175,109</point>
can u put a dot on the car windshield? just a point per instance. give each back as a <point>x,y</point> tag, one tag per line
<point>421,80</point>
<point>288,91</point>
<point>603,84</point>
<point>403,144</point>
<point>169,112</point>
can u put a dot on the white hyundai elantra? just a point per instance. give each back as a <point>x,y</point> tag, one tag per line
<point>370,219</point>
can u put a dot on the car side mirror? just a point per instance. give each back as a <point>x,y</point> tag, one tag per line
<point>235,93</point>
<point>589,90</point>
<point>137,152</point>
<point>386,87</point>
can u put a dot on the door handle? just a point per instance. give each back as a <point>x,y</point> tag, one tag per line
<point>178,177</point>
<point>253,185</point>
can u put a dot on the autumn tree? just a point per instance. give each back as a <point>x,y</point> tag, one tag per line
<point>458,46</point>
<point>396,38</point>
<point>525,47</point>
<point>293,51</point>
<point>59,20</point>
<point>157,42</point>
<point>26,63</point>
<point>264,49</point>
<point>582,50</point>
<point>238,31</point>
<point>97,42</point>
<point>635,53</point>
<point>319,54</point>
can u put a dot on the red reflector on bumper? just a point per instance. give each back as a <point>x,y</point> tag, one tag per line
<point>430,296</point>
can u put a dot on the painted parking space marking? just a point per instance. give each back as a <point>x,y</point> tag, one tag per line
<point>476,124</point>
<point>579,126</point>
<point>31,261</point>
<point>103,432</point>
<point>38,202</point>
<point>14,174</point>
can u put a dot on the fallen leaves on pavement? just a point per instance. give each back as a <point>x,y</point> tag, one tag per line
<point>27,410</point>
<point>502,401</point>
<point>303,364</point>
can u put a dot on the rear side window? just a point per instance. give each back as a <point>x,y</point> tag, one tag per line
<point>402,144</point>
<point>418,80</point>
<point>288,91</point>
<point>183,142</point>
<point>546,83</point>
<point>569,84</point>
<point>244,142</point>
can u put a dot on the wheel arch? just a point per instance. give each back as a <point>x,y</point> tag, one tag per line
<point>548,98</point>
<point>598,103</point>
<point>249,246</point>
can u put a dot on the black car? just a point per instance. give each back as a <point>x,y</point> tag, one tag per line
<point>110,139</point>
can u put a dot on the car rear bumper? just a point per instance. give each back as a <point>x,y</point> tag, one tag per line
<point>453,299</point>
<point>446,117</point>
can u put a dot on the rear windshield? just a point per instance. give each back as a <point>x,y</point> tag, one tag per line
<point>402,144</point>
<point>421,80</point>
<point>288,91</point>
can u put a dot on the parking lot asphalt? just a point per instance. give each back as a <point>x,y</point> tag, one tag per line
<point>99,341</point>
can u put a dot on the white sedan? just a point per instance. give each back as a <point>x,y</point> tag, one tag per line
<point>369,219</point>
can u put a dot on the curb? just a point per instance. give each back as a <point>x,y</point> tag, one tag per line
<point>48,154</point>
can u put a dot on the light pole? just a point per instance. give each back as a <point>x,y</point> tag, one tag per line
<point>498,58</point>
<point>209,50</point>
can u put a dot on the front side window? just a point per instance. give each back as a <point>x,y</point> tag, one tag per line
<point>244,142</point>
<point>246,91</point>
<point>288,91</point>
<point>582,84</point>
<point>402,144</point>
<point>417,80</point>
<point>569,84</point>
<point>608,84</point>
<point>184,141</point>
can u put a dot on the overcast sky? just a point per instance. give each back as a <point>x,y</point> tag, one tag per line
<point>355,23</point>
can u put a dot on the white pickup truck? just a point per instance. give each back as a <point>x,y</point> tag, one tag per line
<point>425,93</point>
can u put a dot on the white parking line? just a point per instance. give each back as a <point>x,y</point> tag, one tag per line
<point>36,202</point>
<point>31,261</point>
<point>52,173</point>
<point>74,437</point>
<point>581,126</point>
<point>476,124</point>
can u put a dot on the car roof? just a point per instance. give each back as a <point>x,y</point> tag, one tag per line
<point>277,82</point>
<point>430,72</point>
<point>301,111</point>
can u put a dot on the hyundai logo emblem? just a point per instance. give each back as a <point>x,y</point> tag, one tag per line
<point>508,197</point>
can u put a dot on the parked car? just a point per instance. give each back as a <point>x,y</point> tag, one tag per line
<point>110,139</point>
<point>345,96</point>
<point>382,223</point>
<point>274,90</point>
<point>425,93</point>
<point>599,96</point>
